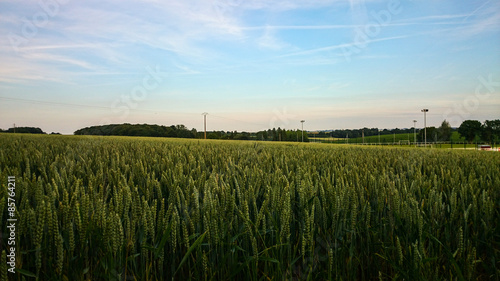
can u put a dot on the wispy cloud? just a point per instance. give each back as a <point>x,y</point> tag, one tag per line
<point>269,40</point>
<point>240,49</point>
<point>341,46</point>
<point>488,23</point>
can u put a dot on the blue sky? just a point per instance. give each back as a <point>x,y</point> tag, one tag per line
<point>250,64</point>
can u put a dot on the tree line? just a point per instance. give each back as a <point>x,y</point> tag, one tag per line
<point>144,130</point>
<point>24,130</point>
<point>265,135</point>
<point>470,130</point>
<point>358,133</point>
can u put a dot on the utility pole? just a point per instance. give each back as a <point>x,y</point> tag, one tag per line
<point>302,121</point>
<point>425,110</point>
<point>14,128</point>
<point>363,135</point>
<point>415,131</point>
<point>205,122</point>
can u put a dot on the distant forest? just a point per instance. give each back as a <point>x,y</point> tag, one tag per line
<point>23,130</point>
<point>145,130</point>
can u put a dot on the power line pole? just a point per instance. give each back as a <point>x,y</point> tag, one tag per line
<point>205,122</point>
<point>425,110</point>
<point>302,121</point>
<point>415,131</point>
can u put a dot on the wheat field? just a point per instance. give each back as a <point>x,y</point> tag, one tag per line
<point>118,208</point>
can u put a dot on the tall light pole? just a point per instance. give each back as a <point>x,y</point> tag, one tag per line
<point>205,122</point>
<point>415,132</point>
<point>425,110</point>
<point>302,121</point>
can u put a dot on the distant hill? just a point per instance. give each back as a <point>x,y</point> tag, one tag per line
<point>144,130</point>
<point>24,130</point>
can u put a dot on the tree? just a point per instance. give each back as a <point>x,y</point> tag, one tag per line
<point>491,130</point>
<point>445,131</point>
<point>469,129</point>
<point>25,130</point>
<point>431,133</point>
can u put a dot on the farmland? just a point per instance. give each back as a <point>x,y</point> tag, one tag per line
<point>120,208</point>
<point>388,139</point>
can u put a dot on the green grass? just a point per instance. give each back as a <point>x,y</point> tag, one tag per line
<point>390,139</point>
<point>375,139</point>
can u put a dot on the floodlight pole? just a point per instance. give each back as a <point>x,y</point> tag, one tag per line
<point>415,132</point>
<point>302,121</point>
<point>425,110</point>
<point>205,122</point>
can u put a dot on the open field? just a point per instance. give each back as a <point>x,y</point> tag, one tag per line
<point>313,139</point>
<point>390,138</point>
<point>402,140</point>
<point>370,139</point>
<point>120,208</point>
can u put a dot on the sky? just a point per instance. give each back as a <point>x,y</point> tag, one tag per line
<point>251,65</point>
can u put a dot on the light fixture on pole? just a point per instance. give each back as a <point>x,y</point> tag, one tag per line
<point>302,121</point>
<point>425,110</point>
<point>415,132</point>
<point>205,122</point>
